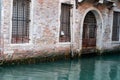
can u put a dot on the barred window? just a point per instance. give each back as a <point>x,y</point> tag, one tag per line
<point>65,35</point>
<point>116,27</point>
<point>20,21</point>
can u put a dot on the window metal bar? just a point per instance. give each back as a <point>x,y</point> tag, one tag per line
<point>116,26</point>
<point>20,21</point>
<point>65,23</point>
<point>17,22</point>
<point>23,4</point>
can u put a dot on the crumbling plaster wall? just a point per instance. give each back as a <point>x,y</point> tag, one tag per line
<point>104,18</point>
<point>108,26</point>
<point>44,30</point>
<point>0,29</point>
<point>45,26</point>
<point>116,44</point>
<point>83,9</point>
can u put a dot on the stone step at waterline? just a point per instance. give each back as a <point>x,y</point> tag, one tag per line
<point>89,50</point>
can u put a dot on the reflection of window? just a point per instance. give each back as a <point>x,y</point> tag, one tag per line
<point>65,35</point>
<point>63,77</point>
<point>116,27</point>
<point>20,21</point>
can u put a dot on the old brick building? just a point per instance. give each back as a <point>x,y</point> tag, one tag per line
<point>32,28</point>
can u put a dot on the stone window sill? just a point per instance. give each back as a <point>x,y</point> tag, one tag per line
<point>22,44</point>
<point>64,43</point>
<point>115,42</point>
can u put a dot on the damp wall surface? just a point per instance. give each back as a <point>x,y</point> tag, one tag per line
<point>45,27</point>
<point>0,26</point>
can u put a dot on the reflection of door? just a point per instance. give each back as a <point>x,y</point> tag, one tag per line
<point>89,31</point>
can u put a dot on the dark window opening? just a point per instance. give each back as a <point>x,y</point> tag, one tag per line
<point>65,32</point>
<point>116,26</point>
<point>20,21</point>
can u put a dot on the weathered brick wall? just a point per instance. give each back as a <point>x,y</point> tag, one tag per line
<point>0,28</point>
<point>44,31</point>
<point>108,25</point>
<point>45,26</point>
<point>83,9</point>
<point>104,28</point>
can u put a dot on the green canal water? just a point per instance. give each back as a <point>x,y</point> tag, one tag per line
<point>85,68</point>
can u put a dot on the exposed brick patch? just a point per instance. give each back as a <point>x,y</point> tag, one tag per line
<point>41,1</point>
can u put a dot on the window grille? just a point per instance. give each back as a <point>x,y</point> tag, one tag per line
<point>65,33</point>
<point>20,21</point>
<point>116,26</point>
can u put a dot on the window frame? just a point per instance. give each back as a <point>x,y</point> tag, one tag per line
<point>66,42</point>
<point>30,25</point>
<point>115,41</point>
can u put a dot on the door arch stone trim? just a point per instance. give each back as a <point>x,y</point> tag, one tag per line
<point>99,20</point>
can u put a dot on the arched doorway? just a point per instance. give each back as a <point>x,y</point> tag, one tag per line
<point>89,31</point>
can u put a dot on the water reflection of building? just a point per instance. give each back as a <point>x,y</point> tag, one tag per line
<point>106,70</point>
<point>84,69</point>
<point>87,69</point>
<point>73,72</point>
<point>49,71</point>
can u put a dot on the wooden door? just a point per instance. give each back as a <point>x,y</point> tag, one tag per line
<point>89,31</point>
